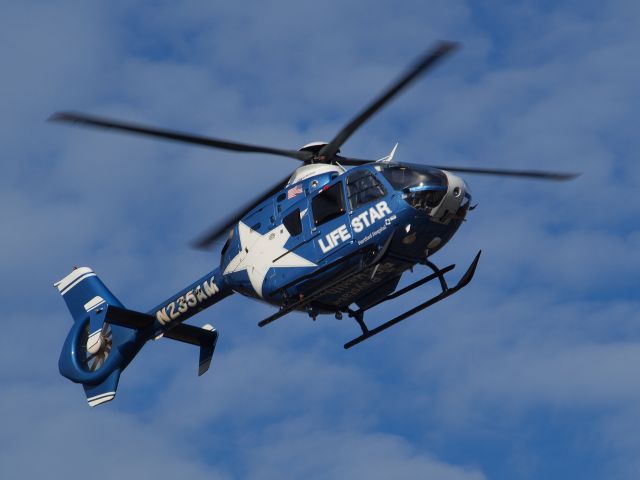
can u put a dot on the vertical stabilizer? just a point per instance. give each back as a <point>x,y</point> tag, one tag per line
<point>82,287</point>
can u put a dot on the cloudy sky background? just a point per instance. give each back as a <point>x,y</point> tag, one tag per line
<point>531,372</point>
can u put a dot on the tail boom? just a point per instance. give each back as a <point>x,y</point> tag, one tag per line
<point>201,294</point>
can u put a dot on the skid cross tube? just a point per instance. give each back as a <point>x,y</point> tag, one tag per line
<point>446,292</point>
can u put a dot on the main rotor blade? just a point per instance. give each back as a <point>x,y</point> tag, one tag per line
<point>537,174</point>
<point>99,122</point>
<point>428,60</point>
<point>222,228</point>
<point>351,162</point>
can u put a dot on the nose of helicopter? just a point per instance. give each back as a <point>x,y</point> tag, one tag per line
<point>440,193</point>
<point>455,201</point>
<point>458,188</point>
<point>442,197</point>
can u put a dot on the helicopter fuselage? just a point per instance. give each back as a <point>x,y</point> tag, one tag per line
<point>319,226</point>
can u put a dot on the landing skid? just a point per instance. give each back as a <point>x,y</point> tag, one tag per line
<point>438,273</point>
<point>369,258</point>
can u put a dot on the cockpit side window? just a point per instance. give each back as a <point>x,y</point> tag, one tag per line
<point>363,187</point>
<point>292,223</point>
<point>328,204</point>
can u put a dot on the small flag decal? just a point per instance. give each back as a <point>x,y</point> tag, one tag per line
<point>297,190</point>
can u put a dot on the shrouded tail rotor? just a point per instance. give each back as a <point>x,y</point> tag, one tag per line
<point>93,354</point>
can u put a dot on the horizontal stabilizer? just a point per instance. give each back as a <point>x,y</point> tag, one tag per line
<point>205,337</point>
<point>128,318</point>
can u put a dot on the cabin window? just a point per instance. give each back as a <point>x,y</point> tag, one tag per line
<point>363,187</point>
<point>292,223</point>
<point>328,204</point>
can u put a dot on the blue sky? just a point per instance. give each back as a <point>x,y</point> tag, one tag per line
<point>531,372</point>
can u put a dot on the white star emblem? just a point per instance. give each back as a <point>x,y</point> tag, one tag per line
<point>258,253</point>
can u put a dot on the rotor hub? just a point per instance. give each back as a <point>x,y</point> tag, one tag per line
<point>95,349</point>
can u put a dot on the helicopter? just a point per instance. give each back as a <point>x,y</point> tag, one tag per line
<point>325,240</point>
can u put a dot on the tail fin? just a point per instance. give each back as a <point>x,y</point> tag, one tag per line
<point>83,291</point>
<point>103,392</point>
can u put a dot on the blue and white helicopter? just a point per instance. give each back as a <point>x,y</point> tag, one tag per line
<point>325,240</point>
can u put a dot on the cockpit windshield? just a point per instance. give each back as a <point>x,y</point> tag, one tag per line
<point>423,187</point>
<point>402,176</point>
